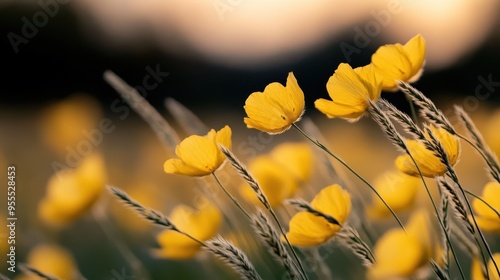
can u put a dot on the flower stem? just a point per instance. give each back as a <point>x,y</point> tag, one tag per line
<point>235,201</point>
<point>321,146</point>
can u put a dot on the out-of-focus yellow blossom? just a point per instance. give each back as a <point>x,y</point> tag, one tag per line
<point>277,108</point>
<point>430,165</point>
<point>306,229</point>
<point>67,122</point>
<point>398,255</point>
<point>70,194</point>
<point>200,155</point>
<point>402,254</point>
<point>396,62</point>
<point>201,224</point>
<point>477,274</point>
<point>276,182</point>
<point>52,260</point>
<point>350,90</point>
<point>398,190</point>
<point>486,218</point>
<point>296,157</point>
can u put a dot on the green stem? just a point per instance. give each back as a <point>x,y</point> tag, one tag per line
<point>321,146</point>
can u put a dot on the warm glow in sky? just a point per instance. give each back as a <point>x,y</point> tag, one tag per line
<point>257,32</point>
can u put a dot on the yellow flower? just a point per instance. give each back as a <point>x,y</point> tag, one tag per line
<point>429,164</point>
<point>476,273</point>
<point>402,254</point>
<point>397,255</point>
<point>350,90</point>
<point>277,108</point>
<point>296,157</point>
<point>276,182</point>
<point>70,194</point>
<point>486,218</point>
<point>306,229</point>
<point>199,155</point>
<point>398,190</point>
<point>66,123</point>
<point>397,62</point>
<point>52,260</point>
<point>201,224</point>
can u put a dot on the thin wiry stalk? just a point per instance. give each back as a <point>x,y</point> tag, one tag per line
<point>235,201</point>
<point>350,239</point>
<point>262,198</point>
<point>187,119</point>
<point>150,214</point>
<point>27,269</point>
<point>270,236</point>
<point>445,232</point>
<point>324,148</point>
<point>479,144</point>
<point>232,256</point>
<point>160,126</point>
<point>440,273</point>
<point>427,143</point>
<point>483,201</point>
<point>303,205</point>
<point>428,109</point>
<point>452,174</point>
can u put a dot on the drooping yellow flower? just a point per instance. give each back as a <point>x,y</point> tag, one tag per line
<point>401,254</point>
<point>52,260</point>
<point>486,218</point>
<point>276,182</point>
<point>476,273</point>
<point>201,224</point>
<point>430,165</point>
<point>296,157</point>
<point>306,229</point>
<point>350,90</point>
<point>397,62</point>
<point>200,155</point>
<point>277,108</point>
<point>398,190</point>
<point>70,194</point>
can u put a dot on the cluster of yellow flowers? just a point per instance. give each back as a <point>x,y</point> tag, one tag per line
<point>412,250</point>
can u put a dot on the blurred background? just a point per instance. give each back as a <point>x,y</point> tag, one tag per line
<point>208,55</point>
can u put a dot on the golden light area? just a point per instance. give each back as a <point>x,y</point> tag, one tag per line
<point>256,33</point>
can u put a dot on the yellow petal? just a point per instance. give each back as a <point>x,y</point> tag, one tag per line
<point>334,201</point>
<point>177,166</point>
<point>265,114</point>
<point>277,108</point>
<point>223,138</point>
<point>491,194</point>
<point>397,255</point>
<point>53,260</point>
<point>416,50</point>
<point>199,152</point>
<point>419,227</point>
<point>335,110</point>
<point>309,230</point>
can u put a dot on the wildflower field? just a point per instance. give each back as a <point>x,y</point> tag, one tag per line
<point>350,187</point>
